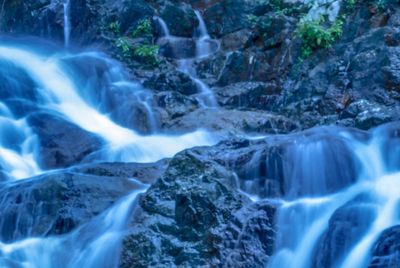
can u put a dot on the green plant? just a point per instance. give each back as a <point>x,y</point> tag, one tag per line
<point>115,27</point>
<point>253,19</point>
<point>381,4</point>
<point>349,4</point>
<point>148,53</point>
<point>315,35</point>
<point>123,45</point>
<point>144,28</point>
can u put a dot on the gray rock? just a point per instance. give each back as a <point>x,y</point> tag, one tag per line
<point>57,203</point>
<point>386,252</point>
<point>192,217</point>
<point>61,143</point>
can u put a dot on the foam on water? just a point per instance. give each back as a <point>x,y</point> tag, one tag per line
<point>58,87</point>
<point>94,244</point>
<point>303,222</point>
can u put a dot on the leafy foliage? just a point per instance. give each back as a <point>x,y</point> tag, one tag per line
<point>144,28</point>
<point>315,35</point>
<point>115,27</point>
<point>147,53</point>
<point>123,44</point>
<point>350,4</point>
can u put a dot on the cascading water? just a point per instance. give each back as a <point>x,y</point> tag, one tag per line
<point>67,22</point>
<point>55,85</point>
<point>84,90</point>
<point>332,176</point>
<point>94,244</point>
<point>205,46</point>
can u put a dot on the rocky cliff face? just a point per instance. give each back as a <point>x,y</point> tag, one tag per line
<point>196,212</point>
<point>258,69</point>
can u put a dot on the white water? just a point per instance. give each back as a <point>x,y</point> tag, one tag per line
<point>204,49</point>
<point>302,223</point>
<point>58,88</point>
<point>94,244</point>
<point>204,41</point>
<point>67,22</point>
<point>164,27</point>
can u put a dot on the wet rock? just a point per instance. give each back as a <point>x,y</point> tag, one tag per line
<point>144,172</point>
<point>180,19</point>
<point>369,114</point>
<point>61,143</point>
<point>226,16</point>
<point>129,13</point>
<point>386,252</point>
<point>171,80</point>
<point>244,66</point>
<point>233,120</point>
<point>346,227</point>
<point>175,104</point>
<point>257,235</point>
<point>57,203</point>
<point>236,40</point>
<point>177,47</point>
<point>192,217</point>
<point>248,95</point>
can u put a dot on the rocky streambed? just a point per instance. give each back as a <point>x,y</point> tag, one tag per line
<point>198,133</point>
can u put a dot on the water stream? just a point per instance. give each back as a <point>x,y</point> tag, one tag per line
<point>96,243</point>
<point>67,94</point>
<point>205,47</point>
<point>307,220</point>
<point>67,22</point>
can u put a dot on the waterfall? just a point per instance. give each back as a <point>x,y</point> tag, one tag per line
<point>94,244</point>
<point>204,41</point>
<point>164,27</point>
<point>63,92</point>
<point>67,22</point>
<point>305,219</point>
<point>205,47</point>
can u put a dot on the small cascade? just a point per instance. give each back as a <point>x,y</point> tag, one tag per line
<point>204,47</point>
<point>306,221</point>
<point>164,27</point>
<point>94,244</point>
<point>58,83</point>
<point>204,41</point>
<point>67,22</point>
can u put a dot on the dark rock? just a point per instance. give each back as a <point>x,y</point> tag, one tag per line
<point>57,203</point>
<point>61,143</point>
<point>177,47</point>
<point>180,19</point>
<point>131,12</point>
<point>369,114</point>
<point>346,227</point>
<point>145,172</point>
<point>386,252</point>
<point>171,80</point>
<point>192,217</point>
<point>175,104</point>
<point>236,40</point>
<point>226,16</point>
<point>244,66</point>
<point>233,120</point>
<point>248,95</point>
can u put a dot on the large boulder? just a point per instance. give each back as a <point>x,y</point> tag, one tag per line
<point>386,252</point>
<point>57,203</point>
<point>146,173</point>
<point>346,227</point>
<point>61,143</point>
<point>193,216</point>
<point>235,121</point>
<point>180,19</point>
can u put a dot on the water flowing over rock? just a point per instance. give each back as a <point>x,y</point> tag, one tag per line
<point>199,133</point>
